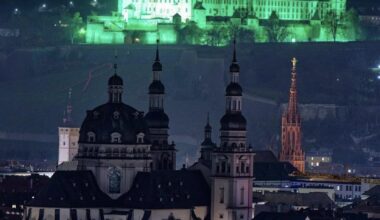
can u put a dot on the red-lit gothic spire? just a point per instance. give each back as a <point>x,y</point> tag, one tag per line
<point>291,148</point>
<point>292,106</point>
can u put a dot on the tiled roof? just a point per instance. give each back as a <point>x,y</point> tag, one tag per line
<point>264,156</point>
<point>71,189</point>
<point>311,200</point>
<point>167,189</point>
<point>272,171</point>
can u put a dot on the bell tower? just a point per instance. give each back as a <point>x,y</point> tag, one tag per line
<point>163,153</point>
<point>68,135</point>
<point>291,149</point>
<point>232,161</point>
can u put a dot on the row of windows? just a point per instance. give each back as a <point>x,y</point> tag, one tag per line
<point>115,152</point>
<point>224,167</point>
<point>235,2</point>
<point>161,1</point>
<point>292,3</point>
<point>115,137</point>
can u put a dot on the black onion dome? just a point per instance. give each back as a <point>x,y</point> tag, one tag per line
<point>156,87</point>
<point>115,80</point>
<point>157,66</point>
<point>113,118</point>
<point>234,67</point>
<point>233,121</point>
<point>157,119</point>
<point>234,89</point>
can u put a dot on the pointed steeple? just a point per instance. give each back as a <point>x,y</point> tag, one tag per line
<point>234,67</point>
<point>156,88</point>
<point>207,132</point>
<point>115,64</point>
<point>292,105</point>
<point>67,119</point>
<point>291,148</point>
<point>157,51</point>
<point>157,66</point>
<point>115,85</point>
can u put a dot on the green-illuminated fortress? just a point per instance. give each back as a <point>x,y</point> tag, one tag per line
<point>214,22</point>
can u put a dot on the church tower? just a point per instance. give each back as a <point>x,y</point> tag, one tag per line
<point>68,135</point>
<point>207,146</point>
<point>232,161</point>
<point>291,149</point>
<point>163,153</point>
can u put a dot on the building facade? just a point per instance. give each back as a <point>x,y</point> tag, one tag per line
<point>232,170</point>
<point>68,136</point>
<point>125,165</point>
<point>291,149</point>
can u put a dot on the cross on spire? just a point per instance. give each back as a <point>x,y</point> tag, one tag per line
<point>294,62</point>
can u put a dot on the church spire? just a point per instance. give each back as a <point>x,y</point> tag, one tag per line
<point>207,131</point>
<point>157,51</point>
<point>67,120</point>
<point>115,85</point>
<point>157,66</point>
<point>291,148</point>
<point>292,105</point>
<point>234,67</point>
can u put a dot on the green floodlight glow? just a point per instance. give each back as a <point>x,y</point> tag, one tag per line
<point>82,31</point>
<point>185,22</point>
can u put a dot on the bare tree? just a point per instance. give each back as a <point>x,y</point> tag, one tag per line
<point>277,32</point>
<point>331,21</point>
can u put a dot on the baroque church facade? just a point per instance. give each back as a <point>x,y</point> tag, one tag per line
<point>125,165</point>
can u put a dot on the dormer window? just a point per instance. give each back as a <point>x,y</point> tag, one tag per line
<point>140,138</point>
<point>91,137</point>
<point>115,138</point>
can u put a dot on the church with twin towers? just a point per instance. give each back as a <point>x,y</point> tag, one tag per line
<point>121,163</point>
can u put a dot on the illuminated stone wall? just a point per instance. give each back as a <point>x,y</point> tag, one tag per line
<point>298,10</point>
<point>142,21</point>
<point>164,10</point>
<point>223,7</point>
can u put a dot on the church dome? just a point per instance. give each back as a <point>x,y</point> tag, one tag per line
<point>157,119</point>
<point>233,121</point>
<point>115,80</point>
<point>156,87</point>
<point>113,120</point>
<point>234,89</point>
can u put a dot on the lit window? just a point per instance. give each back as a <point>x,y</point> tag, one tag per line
<point>115,137</point>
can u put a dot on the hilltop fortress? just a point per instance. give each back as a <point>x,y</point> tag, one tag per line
<point>202,22</point>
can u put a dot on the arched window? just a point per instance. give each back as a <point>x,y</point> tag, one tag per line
<point>140,138</point>
<point>114,179</point>
<point>115,138</point>
<point>91,137</point>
